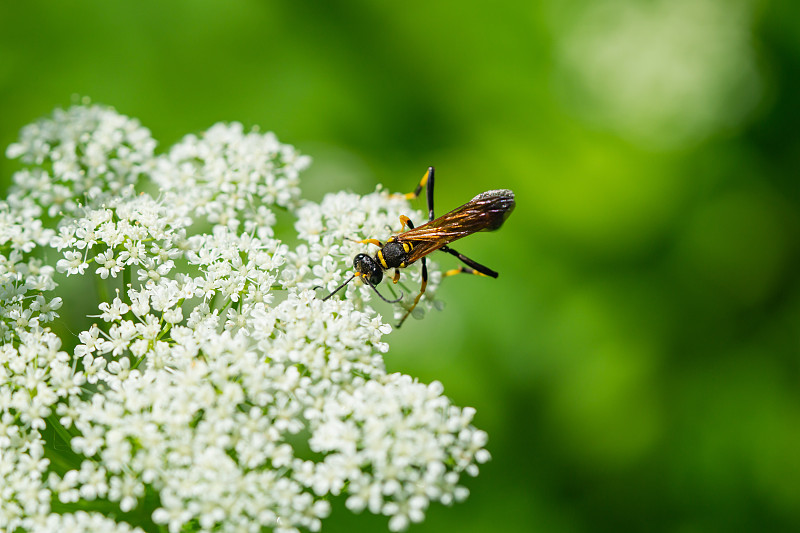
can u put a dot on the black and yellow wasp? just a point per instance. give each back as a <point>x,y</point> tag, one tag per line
<point>485,212</point>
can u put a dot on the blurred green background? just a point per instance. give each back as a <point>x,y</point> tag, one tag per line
<point>636,363</point>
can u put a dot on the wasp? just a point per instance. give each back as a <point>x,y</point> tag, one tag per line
<point>485,212</point>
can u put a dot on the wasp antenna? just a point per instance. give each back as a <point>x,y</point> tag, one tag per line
<point>374,288</point>
<point>340,287</point>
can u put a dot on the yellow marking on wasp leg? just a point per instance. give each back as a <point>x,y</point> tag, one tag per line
<point>421,292</point>
<point>376,242</point>
<point>422,183</point>
<point>459,270</point>
<point>396,277</point>
<point>404,220</point>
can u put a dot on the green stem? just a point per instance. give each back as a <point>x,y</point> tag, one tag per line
<point>102,289</point>
<point>126,281</point>
<point>52,420</point>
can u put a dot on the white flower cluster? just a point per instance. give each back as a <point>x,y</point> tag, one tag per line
<point>215,379</point>
<point>231,178</point>
<point>80,156</point>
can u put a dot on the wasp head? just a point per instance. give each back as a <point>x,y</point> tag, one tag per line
<point>368,268</point>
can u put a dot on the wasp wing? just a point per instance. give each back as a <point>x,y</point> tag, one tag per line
<point>485,212</point>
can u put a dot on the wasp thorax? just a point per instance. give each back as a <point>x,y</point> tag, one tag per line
<point>394,254</point>
<point>368,268</point>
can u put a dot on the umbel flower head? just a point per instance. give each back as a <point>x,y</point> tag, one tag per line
<point>211,389</point>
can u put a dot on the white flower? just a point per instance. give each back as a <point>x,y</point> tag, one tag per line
<point>113,311</point>
<point>72,263</point>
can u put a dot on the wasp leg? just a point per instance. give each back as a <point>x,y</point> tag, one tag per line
<point>376,242</point>
<point>396,277</point>
<point>461,270</point>
<point>421,292</point>
<point>477,268</point>
<point>427,179</point>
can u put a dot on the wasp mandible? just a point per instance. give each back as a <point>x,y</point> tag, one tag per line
<point>485,212</point>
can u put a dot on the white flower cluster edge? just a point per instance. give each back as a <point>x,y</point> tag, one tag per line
<point>213,380</point>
